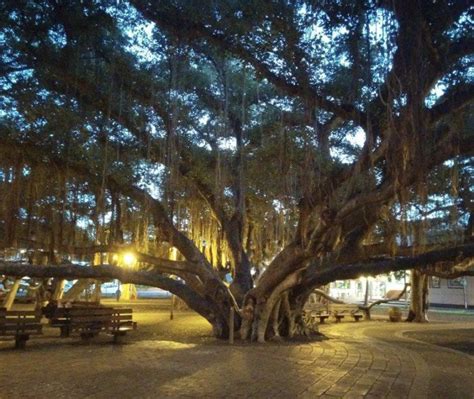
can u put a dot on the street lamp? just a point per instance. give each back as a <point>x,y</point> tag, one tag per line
<point>129,259</point>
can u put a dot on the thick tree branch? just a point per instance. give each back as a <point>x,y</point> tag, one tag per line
<point>367,308</point>
<point>445,258</point>
<point>179,26</point>
<point>460,48</point>
<point>172,234</point>
<point>455,99</point>
<point>109,272</point>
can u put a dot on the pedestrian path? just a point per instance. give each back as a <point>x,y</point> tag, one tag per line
<point>366,359</point>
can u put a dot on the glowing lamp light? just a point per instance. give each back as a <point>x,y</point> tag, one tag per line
<point>129,259</point>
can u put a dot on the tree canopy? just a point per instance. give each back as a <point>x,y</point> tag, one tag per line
<point>290,143</point>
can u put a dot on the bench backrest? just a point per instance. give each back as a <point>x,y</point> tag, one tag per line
<point>89,314</point>
<point>122,318</point>
<point>315,307</point>
<point>343,307</point>
<point>15,322</point>
<point>101,317</point>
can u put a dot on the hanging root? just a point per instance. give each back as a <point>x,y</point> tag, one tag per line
<point>289,317</point>
<point>247,314</point>
<point>276,320</point>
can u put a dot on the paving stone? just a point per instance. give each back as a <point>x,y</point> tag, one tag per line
<point>157,361</point>
<point>338,390</point>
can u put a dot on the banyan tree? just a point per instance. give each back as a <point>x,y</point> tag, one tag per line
<point>287,144</point>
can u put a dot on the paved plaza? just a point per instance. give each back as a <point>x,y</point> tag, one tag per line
<point>168,359</point>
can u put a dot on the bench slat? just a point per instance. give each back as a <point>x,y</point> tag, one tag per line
<point>81,311</point>
<point>14,320</point>
<point>21,313</point>
<point>14,333</point>
<point>19,326</point>
<point>92,318</point>
<point>127,317</point>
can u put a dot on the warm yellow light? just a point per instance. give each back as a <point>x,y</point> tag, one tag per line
<point>129,259</point>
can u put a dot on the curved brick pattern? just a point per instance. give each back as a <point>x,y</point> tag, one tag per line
<point>368,360</point>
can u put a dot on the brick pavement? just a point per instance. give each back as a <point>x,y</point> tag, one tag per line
<point>369,359</point>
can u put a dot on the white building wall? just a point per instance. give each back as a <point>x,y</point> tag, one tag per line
<point>445,295</point>
<point>352,291</point>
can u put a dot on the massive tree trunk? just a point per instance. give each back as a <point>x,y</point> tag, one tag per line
<point>299,285</point>
<point>418,311</point>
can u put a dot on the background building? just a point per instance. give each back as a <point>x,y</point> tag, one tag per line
<point>457,292</point>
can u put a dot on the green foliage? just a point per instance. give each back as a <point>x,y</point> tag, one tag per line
<point>196,101</point>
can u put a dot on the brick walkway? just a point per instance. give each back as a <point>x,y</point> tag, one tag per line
<point>367,359</point>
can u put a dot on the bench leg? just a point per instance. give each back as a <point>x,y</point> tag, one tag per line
<point>86,336</point>
<point>118,337</point>
<point>20,341</point>
<point>64,332</point>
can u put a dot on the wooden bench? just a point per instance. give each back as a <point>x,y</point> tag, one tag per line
<point>91,321</point>
<point>311,316</point>
<point>20,324</point>
<point>313,311</point>
<point>340,310</point>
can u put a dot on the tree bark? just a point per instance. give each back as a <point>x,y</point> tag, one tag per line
<point>418,311</point>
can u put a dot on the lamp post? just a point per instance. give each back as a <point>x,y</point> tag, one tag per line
<point>464,286</point>
<point>173,256</point>
<point>367,289</point>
